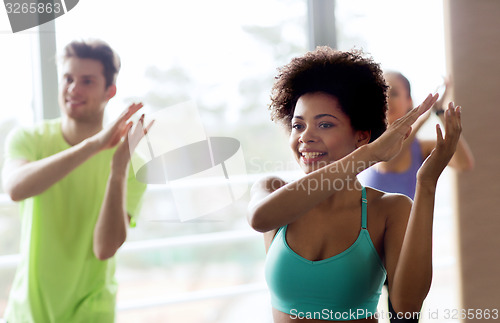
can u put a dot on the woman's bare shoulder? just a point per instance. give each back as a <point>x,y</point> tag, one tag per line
<point>389,203</point>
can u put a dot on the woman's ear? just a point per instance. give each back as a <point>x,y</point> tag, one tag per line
<point>362,137</point>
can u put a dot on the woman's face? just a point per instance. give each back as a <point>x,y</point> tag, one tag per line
<point>321,133</point>
<point>399,101</point>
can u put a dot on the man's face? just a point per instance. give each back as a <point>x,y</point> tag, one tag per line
<point>83,94</point>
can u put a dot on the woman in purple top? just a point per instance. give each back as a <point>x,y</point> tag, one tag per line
<point>399,175</point>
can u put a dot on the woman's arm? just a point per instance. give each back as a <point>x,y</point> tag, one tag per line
<point>274,205</point>
<point>260,190</point>
<point>412,275</point>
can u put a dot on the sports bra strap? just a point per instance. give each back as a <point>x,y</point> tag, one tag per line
<point>364,202</point>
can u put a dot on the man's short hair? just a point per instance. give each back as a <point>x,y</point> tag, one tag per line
<point>98,50</point>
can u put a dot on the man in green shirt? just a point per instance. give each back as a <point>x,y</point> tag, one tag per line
<point>77,196</point>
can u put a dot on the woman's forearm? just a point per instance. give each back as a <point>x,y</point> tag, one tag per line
<point>413,275</point>
<point>292,200</point>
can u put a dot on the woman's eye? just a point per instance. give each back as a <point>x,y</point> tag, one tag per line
<point>297,126</point>
<point>325,125</point>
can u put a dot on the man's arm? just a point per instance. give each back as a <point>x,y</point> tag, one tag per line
<point>23,179</point>
<point>111,228</point>
<point>110,231</point>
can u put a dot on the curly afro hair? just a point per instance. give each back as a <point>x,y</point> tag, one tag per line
<point>357,83</point>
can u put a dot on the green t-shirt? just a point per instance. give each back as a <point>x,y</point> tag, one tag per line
<point>59,279</point>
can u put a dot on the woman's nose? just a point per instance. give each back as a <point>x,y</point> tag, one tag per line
<point>307,135</point>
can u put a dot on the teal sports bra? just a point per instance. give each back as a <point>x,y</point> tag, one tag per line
<point>344,287</point>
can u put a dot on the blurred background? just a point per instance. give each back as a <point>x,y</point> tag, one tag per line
<point>223,55</point>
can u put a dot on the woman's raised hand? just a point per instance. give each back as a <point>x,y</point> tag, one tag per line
<point>389,144</point>
<point>445,147</point>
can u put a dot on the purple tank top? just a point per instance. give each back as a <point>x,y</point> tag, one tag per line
<point>390,182</point>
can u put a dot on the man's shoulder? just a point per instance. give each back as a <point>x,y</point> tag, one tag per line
<point>48,127</point>
<point>30,142</point>
<point>40,128</point>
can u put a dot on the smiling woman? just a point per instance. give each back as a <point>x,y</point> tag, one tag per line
<point>321,132</point>
<point>321,254</point>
